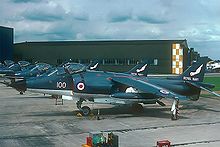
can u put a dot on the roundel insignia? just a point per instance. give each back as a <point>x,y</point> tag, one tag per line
<point>164,91</point>
<point>80,86</point>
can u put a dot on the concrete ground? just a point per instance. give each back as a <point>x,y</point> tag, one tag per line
<point>35,120</point>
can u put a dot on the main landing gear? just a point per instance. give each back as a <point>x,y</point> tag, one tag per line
<point>137,108</point>
<point>85,110</point>
<point>175,110</point>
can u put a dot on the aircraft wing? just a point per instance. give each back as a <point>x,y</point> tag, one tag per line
<point>148,88</point>
<point>203,88</point>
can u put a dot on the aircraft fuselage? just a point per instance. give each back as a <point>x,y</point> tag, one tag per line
<point>98,83</point>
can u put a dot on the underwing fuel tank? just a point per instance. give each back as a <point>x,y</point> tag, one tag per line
<point>123,95</point>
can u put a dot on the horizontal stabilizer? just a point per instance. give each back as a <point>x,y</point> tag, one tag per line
<point>212,92</point>
<point>204,88</point>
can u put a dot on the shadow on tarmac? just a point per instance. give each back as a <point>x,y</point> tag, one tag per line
<point>56,113</point>
<point>32,97</point>
<point>126,112</point>
<point>114,112</point>
<point>198,107</point>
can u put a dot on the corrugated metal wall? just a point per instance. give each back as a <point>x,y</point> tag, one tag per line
<point>54,52</point>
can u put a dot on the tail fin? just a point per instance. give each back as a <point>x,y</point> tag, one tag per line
<point>196,71</point>
<point>139,69</point>
<point>94,65</point>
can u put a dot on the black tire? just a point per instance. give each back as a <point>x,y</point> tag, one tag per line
<point>137,108</point>
<point>174,116</point>
<point>85,110</point>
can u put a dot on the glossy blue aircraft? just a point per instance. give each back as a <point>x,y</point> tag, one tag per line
<point>11,67</point>
<point>130,88</point>
<point>32,71</point>
<point>43,69</point>
<point>70,65</point>
<point>8,62</point>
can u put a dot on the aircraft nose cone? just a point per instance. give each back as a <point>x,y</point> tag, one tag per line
<point>19,85</point>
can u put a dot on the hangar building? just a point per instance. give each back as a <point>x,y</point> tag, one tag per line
<point>6,43</point>
<point>164,56</point>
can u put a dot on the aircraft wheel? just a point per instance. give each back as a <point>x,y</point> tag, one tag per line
<point>174,117</point>
<point>175,110</point>
<point>137,108</point>
<point>21,93</point>
<point>85,110</point>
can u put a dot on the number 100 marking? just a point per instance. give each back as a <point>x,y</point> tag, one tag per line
<point>61,85</point>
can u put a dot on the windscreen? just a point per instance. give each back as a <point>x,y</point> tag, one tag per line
<point>56,71</point>
<point>8,62</point>
<point>75,68</point>
<point>43,66</point>
<point>23,63</point>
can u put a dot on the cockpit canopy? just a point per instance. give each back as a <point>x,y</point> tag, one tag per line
<point>8,62</point>
<point>69,68</point>
<point>75,68</point>
<point>41,67</point>
<point>55,71</point>
<point>24,63</point>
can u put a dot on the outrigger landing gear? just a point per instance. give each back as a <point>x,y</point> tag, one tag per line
<point>137,108</point>
<point>85,110</point>
<point>175,110</point>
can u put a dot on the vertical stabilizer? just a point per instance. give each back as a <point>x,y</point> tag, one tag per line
<point>139,69</point>
<point>196,71</point>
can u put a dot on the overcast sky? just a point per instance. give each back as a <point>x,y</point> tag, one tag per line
<point>198,21</point>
